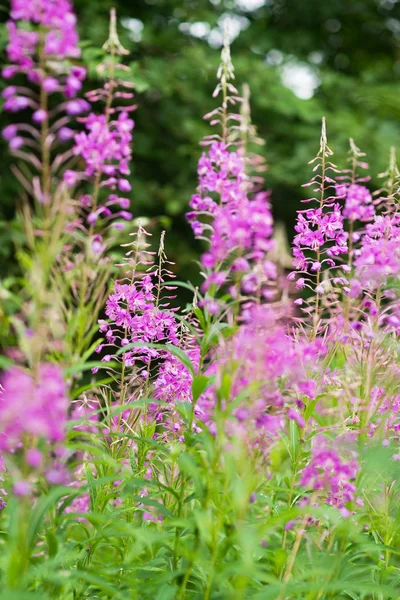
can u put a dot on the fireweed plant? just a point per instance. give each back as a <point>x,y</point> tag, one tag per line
<point>246,446</point>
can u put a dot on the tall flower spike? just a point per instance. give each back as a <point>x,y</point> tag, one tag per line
<point>359,208</point>
<point>358,204</point>
<point>229,211</point>
<point>377,261</point>
<point>45,54</point>
<point>139,313</point>
<point>225,74</point>
<point>113,44</point>
<point>255,163</point>
<point>105,147</point>
<point>391,186</point>
<point>320,235</point>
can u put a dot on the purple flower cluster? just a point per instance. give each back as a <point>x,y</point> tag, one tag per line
<point>322,233</point>
<point>259,358</point>
<point>55,17</point>
<point>29,51</point>
<point>105,147</point>
<point>320,236</point>
<point>172,384</point>
<point>135,317</point>
<point>229,211</point>
<point>358,202</point>
<point>174,380</point>
<point>239,225</point>
<point>327,471</point>
<point>139,315</point>
<point>42,53</point>
<point>378,258</point>
<point>222,171</point>
<point>80,504</point>
<point>32,408</point>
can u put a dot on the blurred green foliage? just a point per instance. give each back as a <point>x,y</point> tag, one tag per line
<point>347,49</point>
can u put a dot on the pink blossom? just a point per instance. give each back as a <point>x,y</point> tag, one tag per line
<point>378,258</point>
<point>61,38</point>
<point>358,203</point>
<point>240,224</point>
<point>34,407</point>
<point>329,473</point>
<point>22,488</point>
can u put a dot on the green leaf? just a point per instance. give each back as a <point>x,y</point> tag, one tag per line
<point>44,504</point>
<point>310,408</point>
<point>5,363</point>
<point>52,543</point>
<point>199,385</point>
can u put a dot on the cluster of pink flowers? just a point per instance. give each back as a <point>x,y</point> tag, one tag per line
<point>80,504</point>
<point>229,211</point>
<point>36,408</point>
<point>45,55</point>
<point>174,380</point>
<point>106,149</point>
<point>104,145</point>
<point>135,317</point>
<point>138,316</point>
<point>33,416</point>
<point>330,473</point>
<point>58,22</point>
<point>239,226</point>
<point>378,258</point>
<point>172,384</point>
<point>359,204</point>
<point>320,237</point>
<point>53,37</point>
<point>277,373</point>
<point>319,232</point>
